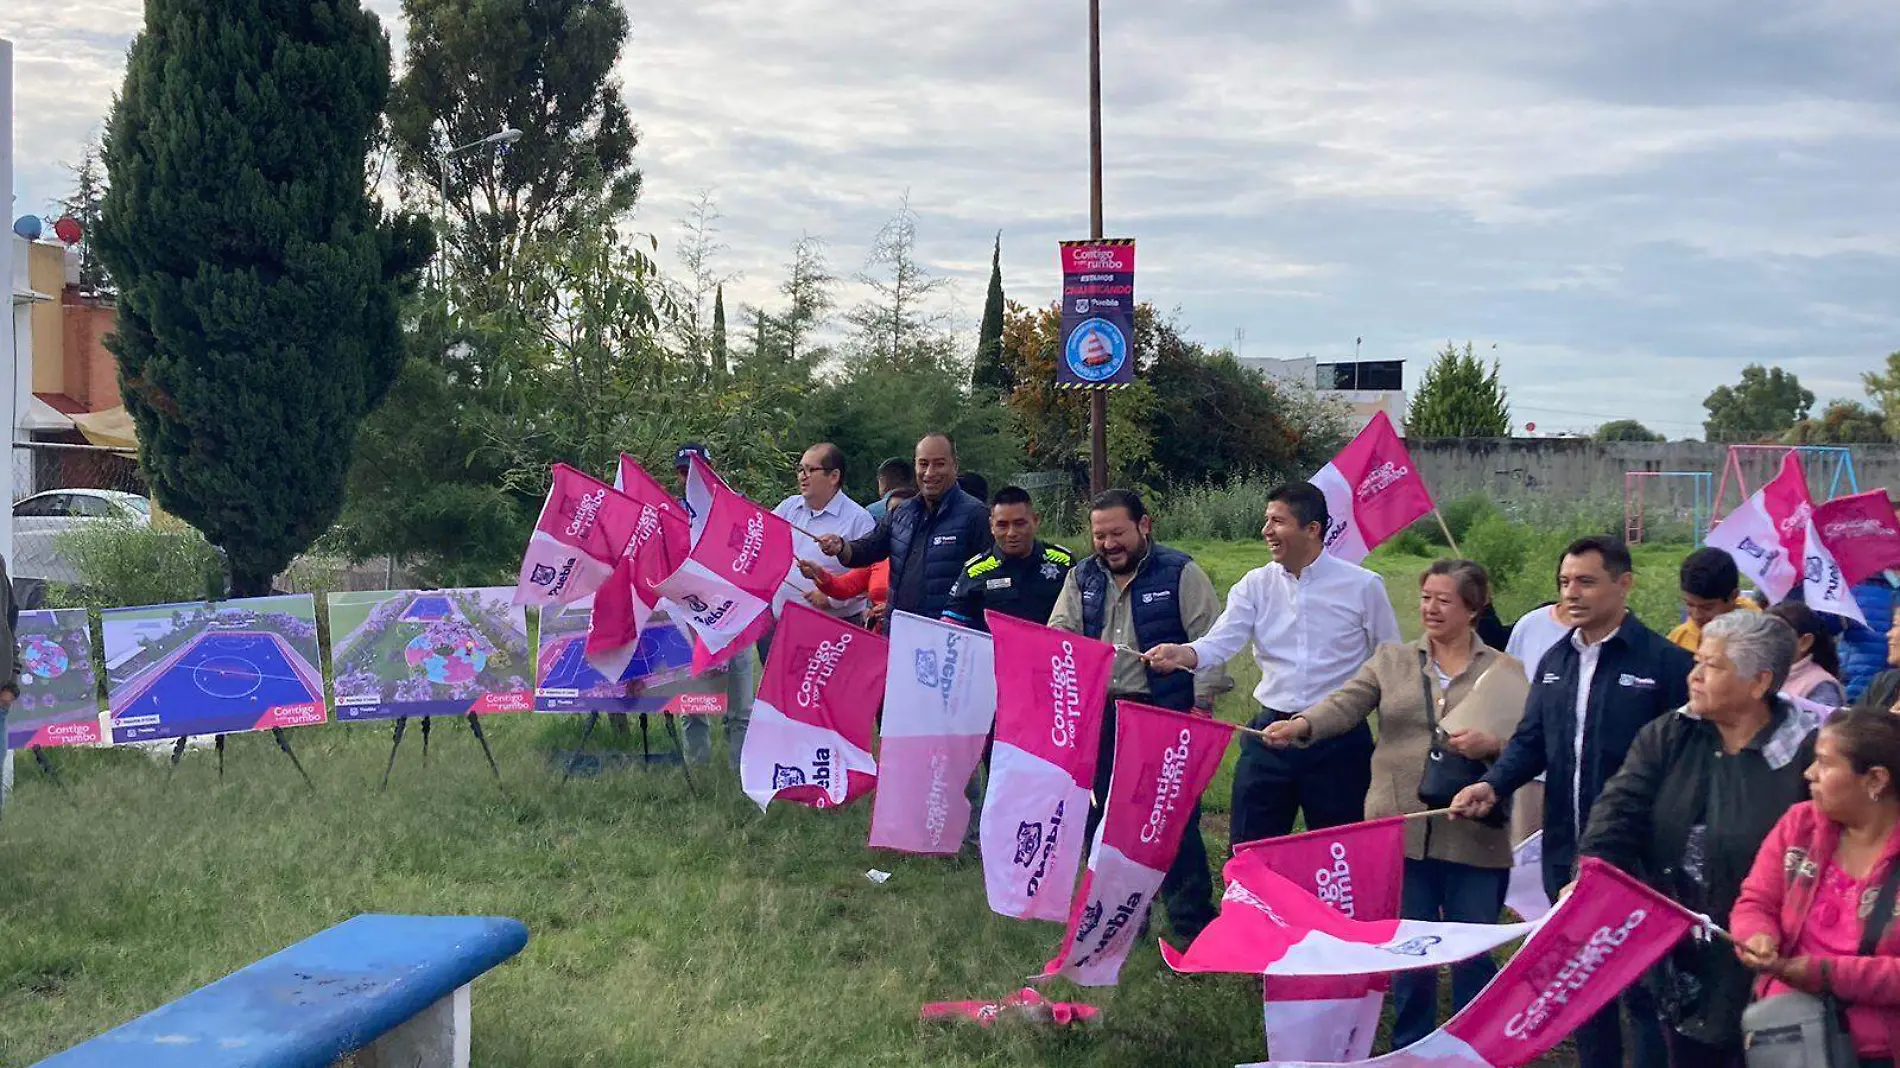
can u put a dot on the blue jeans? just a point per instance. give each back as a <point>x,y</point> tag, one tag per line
<point>696,731</point>
<point>1454,893</point>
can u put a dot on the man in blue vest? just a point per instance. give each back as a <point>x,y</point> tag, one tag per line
<point>1135,593</point>
<point>927,538</point>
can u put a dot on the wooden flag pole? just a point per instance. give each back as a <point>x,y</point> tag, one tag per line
<point>1449,540</point>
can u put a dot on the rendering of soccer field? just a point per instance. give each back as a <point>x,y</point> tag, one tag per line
<point>222,682</point>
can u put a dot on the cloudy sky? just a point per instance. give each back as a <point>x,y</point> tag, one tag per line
<point>1624,202</point>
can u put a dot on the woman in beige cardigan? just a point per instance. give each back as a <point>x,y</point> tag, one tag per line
<point>1454,871</point>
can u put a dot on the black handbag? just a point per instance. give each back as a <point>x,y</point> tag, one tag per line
<point>1800,1030</point>
<point>1446,770</point>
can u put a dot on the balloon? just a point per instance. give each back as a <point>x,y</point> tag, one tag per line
<point>29,227</point>
<point>67,229</point>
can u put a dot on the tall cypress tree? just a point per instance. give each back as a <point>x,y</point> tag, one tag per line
<point>259,282</point>
<point>991,370</point>
<point>719,363</point>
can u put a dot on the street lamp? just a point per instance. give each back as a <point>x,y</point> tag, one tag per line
<point>507,135</point>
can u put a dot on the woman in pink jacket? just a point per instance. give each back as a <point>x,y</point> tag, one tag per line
<point>1806,902</point>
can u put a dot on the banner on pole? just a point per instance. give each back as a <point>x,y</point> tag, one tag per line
<point>1098,314</point>
<point>1373,490</point>
<point>810,738</point>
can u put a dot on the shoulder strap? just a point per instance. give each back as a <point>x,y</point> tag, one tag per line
<point>1431,699</point>
<point>1883,911</point>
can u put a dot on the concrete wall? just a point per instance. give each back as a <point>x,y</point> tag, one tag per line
<point>1557,470</point>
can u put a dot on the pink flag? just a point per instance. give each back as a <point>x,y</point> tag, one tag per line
<point>810,739</point>
<point>1862,532</point>
<point>1373,491</point>
<point>1051,686</point>
<point>1768,533</point>
<point>1595,943</point>
<point>939,702</point>
<point>623,604</point>
<point>1357,869</point>
<point>725,587</point>
<point>1163,761</point>
<point>583,530</point>
<point>1268,925</point>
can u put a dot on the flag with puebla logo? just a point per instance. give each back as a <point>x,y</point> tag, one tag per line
<point>1862,533</point>
<point>1373,490</point>
<point>1098,314</point>
<point>1051,686</point>
<point>1356,870</point>
<point>661,541</point>
<point>1773,540</point>
<point>724,589</point>
<point>1270,926</point>
<point>582,532</point>
<point>810,738</point>
<point>939,703</point>
<point>1592,946</point>
<point>702,482</point>
<point>1163,761</point>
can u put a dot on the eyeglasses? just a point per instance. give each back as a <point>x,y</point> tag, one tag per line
<point>805,469</point>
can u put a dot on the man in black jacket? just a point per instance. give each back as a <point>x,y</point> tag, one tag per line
<point>1589,696</point>
<point>927,538</point>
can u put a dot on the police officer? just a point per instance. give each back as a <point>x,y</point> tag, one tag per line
<point>1021,576</point>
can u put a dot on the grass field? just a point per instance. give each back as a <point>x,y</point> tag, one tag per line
<point>667,929</point>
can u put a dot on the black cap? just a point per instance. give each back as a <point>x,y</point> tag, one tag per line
<point>683,457</point>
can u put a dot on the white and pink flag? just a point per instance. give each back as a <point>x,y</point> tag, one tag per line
<point>702,484</point>
<point>1524,893</point>
<point>1773,541</point>
<point>1861,532</point>
<point>739,559</point>
<point>1051,686</point>
<point>661,541</point>
<point>582,532</point>
<point>1356,870</point>
<point>939,703</point>
<point>810,738</point>
<point>1268,925</point>
<point>1163,761</point>
<point>1373,491</point>
<point>1595,943</point>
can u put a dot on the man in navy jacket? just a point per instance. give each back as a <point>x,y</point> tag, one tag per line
<point>1589,696</point>
<point>927,538</point>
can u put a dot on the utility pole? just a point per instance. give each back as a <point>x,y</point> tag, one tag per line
<point>1098,397</point>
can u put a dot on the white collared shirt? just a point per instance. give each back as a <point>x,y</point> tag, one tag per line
<point>841,516</point>
<point>1310,633</point>
<point>1588,653</point>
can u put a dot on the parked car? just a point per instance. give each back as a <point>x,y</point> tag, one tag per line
<point>40,519</point>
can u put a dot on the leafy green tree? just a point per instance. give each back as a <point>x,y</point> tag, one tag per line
<point>259,281</point>
<point>1842,422</point>
<point>897,325</point>
<point>1765,404</point>
<point>1459,399</point>
<point>1626,430</point>
<point>544,67</point>
<point>991,370</point>
<point>1884,388</point>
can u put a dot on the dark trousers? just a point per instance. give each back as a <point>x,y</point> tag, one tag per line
<point>1272,787</point>
<point>1454,893</point>
<point>1601,1041</point>
<point>1187,889</point>
<point>1686,1052</point>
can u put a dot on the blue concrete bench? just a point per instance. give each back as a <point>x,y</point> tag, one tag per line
<point>393,990</point>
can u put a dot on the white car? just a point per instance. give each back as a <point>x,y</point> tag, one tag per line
<point>39,520</point>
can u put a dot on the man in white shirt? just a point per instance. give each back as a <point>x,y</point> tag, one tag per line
<point>1313,621</point>
<point>822,507</point>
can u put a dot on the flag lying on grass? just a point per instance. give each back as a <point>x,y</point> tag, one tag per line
<point>939,703</point>
<point>810,738</point>
<point>1051,686</point>
<point>1163,761</point>
<point>1595,943</point>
